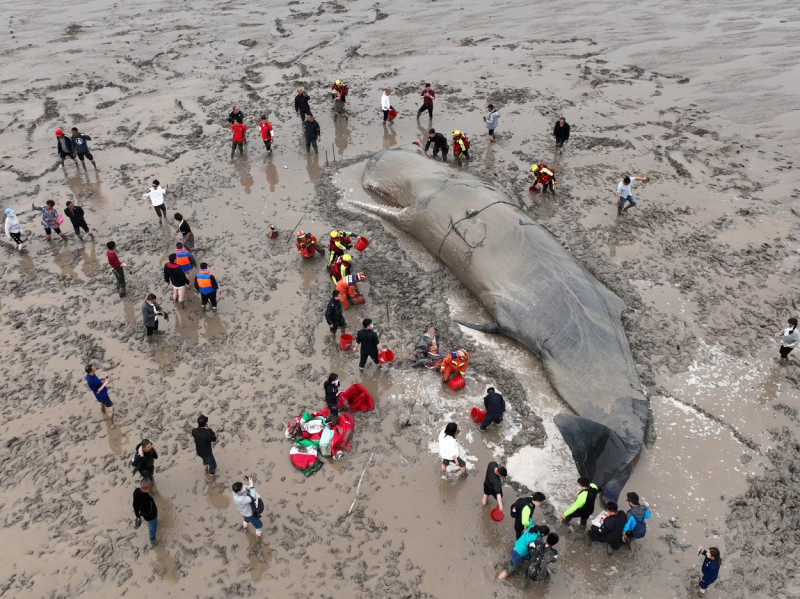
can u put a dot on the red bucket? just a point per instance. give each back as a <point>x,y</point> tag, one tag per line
<point>392,113</point>
<point>497,514</point>
<point>357,299</point>
<point>386,356</point>
<point>308,252</point>
<point>362,243</point>
<point>457,383</point>
<point>346,341</point>
<point>477,414</point>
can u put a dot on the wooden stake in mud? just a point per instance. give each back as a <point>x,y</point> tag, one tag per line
<point>411,409</point>
<point>326,157</point>
<point>295,228</point>
<point>333,149</point>
<point>359,482</point>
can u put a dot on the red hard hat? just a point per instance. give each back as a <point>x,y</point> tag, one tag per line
<point>59,133</point>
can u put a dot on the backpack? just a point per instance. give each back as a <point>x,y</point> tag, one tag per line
<point>518,505</point>
<point>640,529</point>
<point>257,504</point>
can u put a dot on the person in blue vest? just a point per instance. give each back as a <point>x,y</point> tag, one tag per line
<point>184,258</point>
<point>206,284</point>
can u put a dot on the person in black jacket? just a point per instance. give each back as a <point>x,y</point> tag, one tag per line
<point>144,506</point>
<point>75,215</point>
<point>368,341</point>
<point>333,313</point>
<point>331,387</point>
<point>203,438</point>
<point>301,106</point>
<point>495,407</point>
<point>173,273</point>
<point>439,142</point>
<point>64,147</point>
<point>561,133</point>
<point>610,530</point>
<point>144,459</point>
<point>237,116</point>
<point>312,133</point>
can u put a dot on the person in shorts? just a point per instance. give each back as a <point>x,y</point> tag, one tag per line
<point>100,389</point>
<point>81,147</point>
<point>185,230</point>
<point>243,498</point>
<point>448,448</point>
<point>156,196</point>
<point>493,484</point>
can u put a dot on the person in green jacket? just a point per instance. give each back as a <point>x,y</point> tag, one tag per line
<point>584,502</point>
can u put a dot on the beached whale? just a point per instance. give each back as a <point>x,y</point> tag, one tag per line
<point>538,294</point>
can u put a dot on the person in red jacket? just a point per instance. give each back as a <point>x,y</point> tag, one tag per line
<point>238,138</point>
<point>117,266</point>
<point>266,132</point>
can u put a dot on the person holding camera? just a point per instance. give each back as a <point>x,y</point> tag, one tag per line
<point>144,458</point>
<point>150,313</point>
<point>246,500</point>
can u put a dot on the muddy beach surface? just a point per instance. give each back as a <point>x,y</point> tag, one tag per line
<point>703,100</point>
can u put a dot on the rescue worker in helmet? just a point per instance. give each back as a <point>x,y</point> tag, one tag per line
<point>460,145</point>
<point>545,176</point>
<point>454,364</point>
<point>348,288</point>
<point>340,89</point>
<point>306,244</point>
<point>341,268</point>
<point>339,243</point>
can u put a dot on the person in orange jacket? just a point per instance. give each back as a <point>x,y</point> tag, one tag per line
<point>348,287</point>
<point>306,244</point>
<point>454,364</point>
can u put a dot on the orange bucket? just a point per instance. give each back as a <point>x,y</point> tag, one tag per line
<point>386,356</point>
<point>497,514</point>
<point>346,341</point>
<point>357,299</point>
<point>477,414</point>
<point>362,243</point>
<point>457,383</point>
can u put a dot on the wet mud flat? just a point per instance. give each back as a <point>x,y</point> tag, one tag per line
<point>706,263</point>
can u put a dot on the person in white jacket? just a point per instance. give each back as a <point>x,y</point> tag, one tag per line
<point>386,104</point>
<point>790,336</point>
<point>13,228</point>
<point>448,448</point>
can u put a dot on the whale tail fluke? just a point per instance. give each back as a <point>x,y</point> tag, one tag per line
<point>491,328</point>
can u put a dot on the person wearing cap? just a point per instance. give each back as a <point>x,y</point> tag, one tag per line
<point>584,503</point>
<point>495,408</point>
<point>427,96</point>
<point>347,287</point>
<point>266,132</point>
<point>561,133</point>
<point>156,196</point>
<point>454,364</point>
<point>64,147</point>
<point>341,267</point>
<point>545,176</point>
<point>312,133</point>
<point>13,228</point>
<point>439,142</point>
<point>301,106</point>
<point>339,88</point>
<point>206,284</point>
<point>76,217</point>
<point>493,484</point>
<point>50,219</point>
<point>491,120</point>
<point>368,342</point>
<point>81,147</point>
<point>333,313</point>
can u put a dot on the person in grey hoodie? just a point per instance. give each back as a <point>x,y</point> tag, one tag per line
<point>635,527</point>
<point>491,120</point>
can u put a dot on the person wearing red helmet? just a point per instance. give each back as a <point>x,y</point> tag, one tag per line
<point>348,287</point>
<point>64,147</point>
<point>306,244</point>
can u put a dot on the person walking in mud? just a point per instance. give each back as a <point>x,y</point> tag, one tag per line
<point>790,337</point>
<point>449,450</point>
<point>386,105</point>
<point>439,142</point>
<point>333,313</point>
<point>493,484</point>
<point>156,196</point>
<point>117,266</point>
<point>64,147</point>
<point>144,508</point>
<point>151,310</point>
<point>312,133</point>
<point>203,438</point>
<point>76,217</point>
<point>174,275</point>
<point>561,133</point>
<point>144,458</point>
<point>100,390</point>
<point>266,132</point>
<point>50,219</point>
<point>246,499</point>
<point>331,387</point>
<point>712,561</point>
<point>237,138</point>
<point>206,284</point>
<point>81,147</point>
<point>368,342</point>
<point>236,116</point>
<point>584,503</point>
<point>491,121</point>
<point>427,96</point>
<point>13,228</point>
<point>186,231</point>
<point>301,106</point>
<point>624,194</point>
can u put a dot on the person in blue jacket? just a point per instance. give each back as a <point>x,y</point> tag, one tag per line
<point>712,560</point>
<point>635,527</point>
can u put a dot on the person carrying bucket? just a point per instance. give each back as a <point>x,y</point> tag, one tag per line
<point>339,244</point>
<point>306,244</point>
<point>495,407</point>
<point>348,287</point>
<point>454,364</point>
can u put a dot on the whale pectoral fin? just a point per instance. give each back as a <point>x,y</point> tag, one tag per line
<point>599,453</point>
<point>492,327</point>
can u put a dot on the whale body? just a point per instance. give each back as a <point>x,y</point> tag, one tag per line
<point>538,294</point>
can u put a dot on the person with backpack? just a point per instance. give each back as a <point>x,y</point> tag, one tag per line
<point>521,550</point>
<point>144,457</point>
<point>584,502</point>
<point>522,510</point>
<point>460,145</point>
<point>635,527</point>
<point>542,556</point>
<point>250,505</point>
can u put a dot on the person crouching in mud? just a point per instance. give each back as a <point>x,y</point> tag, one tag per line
<point>426,351</point>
